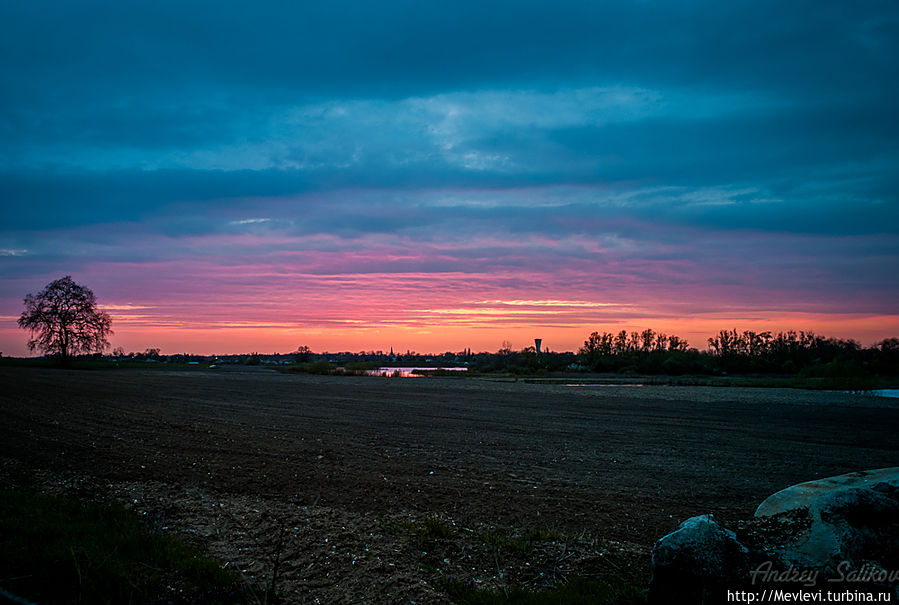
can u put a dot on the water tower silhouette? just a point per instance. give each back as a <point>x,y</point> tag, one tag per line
<point>538,342</point>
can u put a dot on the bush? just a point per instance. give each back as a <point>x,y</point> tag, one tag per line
<point>58,550</point>
<point>315,367</point>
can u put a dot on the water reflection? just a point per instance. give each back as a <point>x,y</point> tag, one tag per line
<point>603,384</point>
<point>411,372</point>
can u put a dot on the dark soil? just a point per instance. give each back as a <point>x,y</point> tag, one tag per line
<point>382,488</point>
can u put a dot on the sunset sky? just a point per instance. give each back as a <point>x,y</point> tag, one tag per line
<point>434,175</point>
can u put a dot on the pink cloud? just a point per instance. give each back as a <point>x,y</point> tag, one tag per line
<point>227,292</point>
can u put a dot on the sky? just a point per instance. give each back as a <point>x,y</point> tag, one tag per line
<point>432,176</point>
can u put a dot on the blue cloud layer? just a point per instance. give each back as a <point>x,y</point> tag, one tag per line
<point>653,124</point>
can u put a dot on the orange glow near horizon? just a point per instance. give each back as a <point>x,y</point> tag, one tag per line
<point>441,330</point>
<point>328,301</point>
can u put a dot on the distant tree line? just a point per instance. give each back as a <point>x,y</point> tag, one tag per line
<point>733,352</point>
<point>153,354</point>
<point>66,323</point>
<point>505,360</point>
<point>526,361</point>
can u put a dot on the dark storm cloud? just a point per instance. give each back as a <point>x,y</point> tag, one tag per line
<point>162,59</point>
<point>400,48</point>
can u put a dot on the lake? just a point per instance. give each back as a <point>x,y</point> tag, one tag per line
<point>408,372</point>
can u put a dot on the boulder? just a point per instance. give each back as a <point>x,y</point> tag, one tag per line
<point>698,560</point>
<point>810,535</point>
<point>852,519</point>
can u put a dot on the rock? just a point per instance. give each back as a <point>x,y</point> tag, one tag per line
<point>853,518</point>
<point>698,560</point>
<point>810,535</point>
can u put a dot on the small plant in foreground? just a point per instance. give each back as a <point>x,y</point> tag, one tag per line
<point>435,528</point>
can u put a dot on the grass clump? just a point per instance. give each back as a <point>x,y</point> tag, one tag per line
<point>58,550</point>
<point>522,543</point>
<point>435,528</point>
